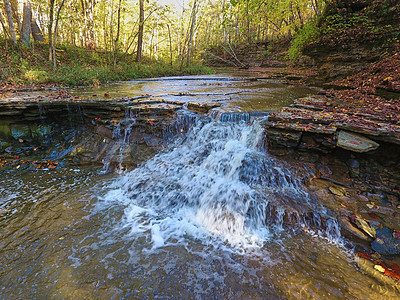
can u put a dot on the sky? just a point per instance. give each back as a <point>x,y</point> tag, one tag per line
<point>177,3</point>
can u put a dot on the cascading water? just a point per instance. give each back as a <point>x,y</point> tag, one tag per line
<point>122,144</point>
<point>216,184</point>
<point>212,216</point>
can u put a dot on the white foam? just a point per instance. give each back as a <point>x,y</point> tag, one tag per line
<point>213,186</point>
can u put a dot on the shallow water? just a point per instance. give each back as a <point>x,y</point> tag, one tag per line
<point>241,92</point>
<point>212,216</point>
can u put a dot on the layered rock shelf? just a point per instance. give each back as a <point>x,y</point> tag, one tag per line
<point>324,123</point>
<point>42,131</point>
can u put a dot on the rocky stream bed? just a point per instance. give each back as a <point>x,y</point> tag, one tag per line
<point>348,158</point>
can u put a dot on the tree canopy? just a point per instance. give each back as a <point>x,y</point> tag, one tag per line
<point>153,29</point>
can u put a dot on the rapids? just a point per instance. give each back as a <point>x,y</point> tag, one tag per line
<point>212,216</point>
<point>216,184</point>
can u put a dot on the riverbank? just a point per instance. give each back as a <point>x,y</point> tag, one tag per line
<point>365,106</point>
<point>350,134</point>
<point>348,137</point>
<point>24,68</point>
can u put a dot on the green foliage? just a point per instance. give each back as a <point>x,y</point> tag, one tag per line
<point>79,76</point>
<point>306,35</point>
<point>258,20</point>
<point>339,23</point>
<point>374,25</point>
<point>79,67</point>
<point>37,76</point>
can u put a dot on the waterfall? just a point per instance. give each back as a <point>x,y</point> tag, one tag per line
<point>120,149</point>
<point>216,184</point>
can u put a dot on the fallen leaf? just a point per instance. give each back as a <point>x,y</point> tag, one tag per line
<point>391,274</point>
<point>337,191</point>
<point>379,268</point>
<point>364,255</point>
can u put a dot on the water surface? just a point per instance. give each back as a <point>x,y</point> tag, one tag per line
<point>212,216</point>
<point>245,93</point>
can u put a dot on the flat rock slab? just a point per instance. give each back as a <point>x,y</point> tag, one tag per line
<point>285,138</point>
<point>202,107</point>
<point>355,142</point>
<point>160,108</point>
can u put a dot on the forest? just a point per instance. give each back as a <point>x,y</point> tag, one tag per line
<point>112,34</point>
<point>93,41</point>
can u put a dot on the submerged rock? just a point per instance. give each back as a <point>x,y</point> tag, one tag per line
<point>348,227</point>
<point>385,243</point>
<point>368,266</point>
<point>337,191</point>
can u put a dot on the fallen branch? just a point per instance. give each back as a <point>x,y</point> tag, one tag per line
<point>224,60</point>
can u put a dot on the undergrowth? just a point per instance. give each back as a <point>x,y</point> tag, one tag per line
<point>305,36</point>
<point>77,67</point>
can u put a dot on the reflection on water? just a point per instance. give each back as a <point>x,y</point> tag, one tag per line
<point>244,93</point>
<point>190,223</point>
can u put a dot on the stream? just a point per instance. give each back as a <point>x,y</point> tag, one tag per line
<point>211,216</point>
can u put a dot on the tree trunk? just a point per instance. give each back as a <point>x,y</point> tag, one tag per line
<point>118,29</point>
<point>248,22</point>
<point>105,29</point>
<point>151,43</point>
<point>300,17</point>
<point>11,28</point>
<point>170,43</point>
<point>237,37</point>
<point>192,25</point>
<point>36,32</point>
<point>26,23</point>
<point>50,29</point>
<point>90,20</point>
<point>4,30</point>
<point>55,36</point>
<point>141,29</point>
<point>14,10</point>
<point>315,6</point>
<point>111,41</point>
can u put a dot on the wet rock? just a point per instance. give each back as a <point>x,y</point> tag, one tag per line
<point>363,225</point>
<point>161,108</point>
<point>338,191</point>
<point>385,243</point>
<point>355,142</point>
<point>104,131</point>
<point>151,140</point>
<point>5,128</point>
<point>351,229</point>
<point>312,142</point>
<point>369,267</point>
<point>284,138</point>
<point>354,166</point>
<point>19,131</point>
<point>327,199</point>
<point>324,171</point>
<point>347,201</point>
<point>353,163</point>
<point>40,131</point>
<point>202,107</point>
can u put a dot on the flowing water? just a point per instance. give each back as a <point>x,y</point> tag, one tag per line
<point>245,93</point>
<point>212,216</point>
